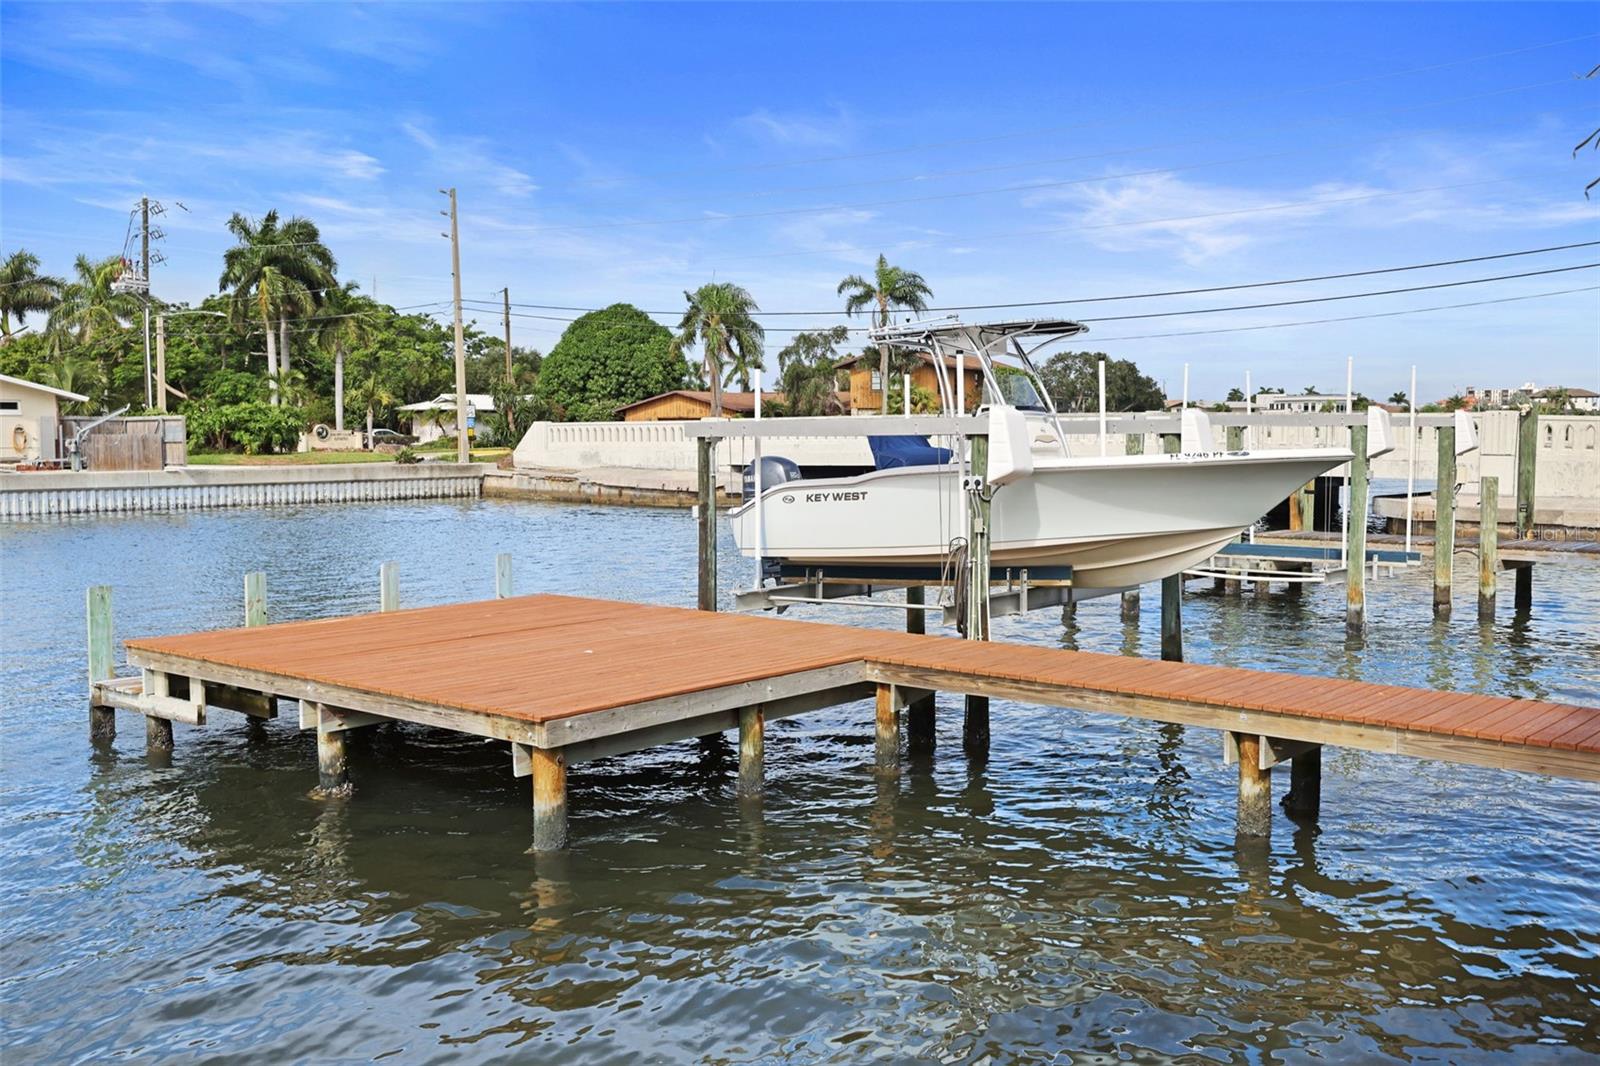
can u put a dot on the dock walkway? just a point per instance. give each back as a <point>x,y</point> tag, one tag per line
<point>562,679</point>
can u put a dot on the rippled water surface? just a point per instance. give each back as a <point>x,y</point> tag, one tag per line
<point>1077,897</point>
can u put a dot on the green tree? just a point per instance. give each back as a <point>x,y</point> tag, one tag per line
<point>607,359</point>
<point>23,289</point>
<point>890,288</point>
<point>275,271</point>
<point>370,393</point>
<point>808,372</point>
<point>1235,395</point>
<point>720,319</point>
<point>1072,379</point>
<point>1398,397</point>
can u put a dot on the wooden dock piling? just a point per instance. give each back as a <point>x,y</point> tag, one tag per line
<point>706,523</point>
<point>333,767</point>
<point>255,598</point>
<point>549,772</point>
<point>1444,523</point>
<point>1527,463</point>
<point>1172,618</point>
<point>920,712</point>
<point>752,749</point>
<point>1488,546</point>
<point>389,587</point>
<point>888,731</point>
<point>1355,578</point>
<point>1304,798</point>
<point>102,661</point>
<point>1254,817</point>
<point>1308,505</point>
<point>1523,598</point>
<point>502,576</point>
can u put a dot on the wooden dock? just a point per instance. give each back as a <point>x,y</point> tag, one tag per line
<point>563,679</point>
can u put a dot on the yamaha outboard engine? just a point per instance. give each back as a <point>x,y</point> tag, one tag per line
<point>775,470</point>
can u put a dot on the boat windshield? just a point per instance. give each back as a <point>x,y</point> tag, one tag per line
<point>1016,389</point>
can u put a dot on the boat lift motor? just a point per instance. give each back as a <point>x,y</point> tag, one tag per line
<point>75,443</point>
<point>775,470</point>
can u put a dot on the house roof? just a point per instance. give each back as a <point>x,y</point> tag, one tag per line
<point>62,393</point>
<point>949,361</point>
<point>446,401</point>
<point>736,402</point>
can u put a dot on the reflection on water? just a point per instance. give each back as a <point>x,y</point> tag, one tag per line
<point>1077,894</point>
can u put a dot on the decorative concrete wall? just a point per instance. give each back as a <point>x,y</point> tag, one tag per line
<point>194,488</point>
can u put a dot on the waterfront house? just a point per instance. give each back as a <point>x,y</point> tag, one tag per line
<point>866,388</point>
<point>30,420</point>
<point>688,405</point>
<point>435,418</point>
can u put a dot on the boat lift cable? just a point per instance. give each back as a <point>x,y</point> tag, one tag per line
<point>1140,295</point>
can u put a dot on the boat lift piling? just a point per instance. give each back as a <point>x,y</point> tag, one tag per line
<point>1488,545</point>
<point>1444,523</point>
<point>1132,444</point>
<point>1355,580</point>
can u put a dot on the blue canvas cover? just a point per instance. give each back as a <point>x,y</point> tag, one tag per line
<point>891,452</point>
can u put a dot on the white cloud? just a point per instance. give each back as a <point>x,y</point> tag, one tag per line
<point>800,131</point>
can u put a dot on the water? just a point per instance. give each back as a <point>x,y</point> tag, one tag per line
<point>1080,897</point>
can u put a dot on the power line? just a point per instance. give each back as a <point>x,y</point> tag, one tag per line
<point>1210,310</point>
<point>1151,295</point>
<point>1351,318</point>
<point>1347,296</point>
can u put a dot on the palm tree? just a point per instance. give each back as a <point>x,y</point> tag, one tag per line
<point>274,271</point>
<point>24,289</point>
<point>371,392</point>
<point>891,287</point>
<point>721,320</point>
<point>347,322</point>
<point>71,372</point>
<point>88,306</point>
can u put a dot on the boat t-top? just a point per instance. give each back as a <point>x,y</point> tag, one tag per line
<point>1116,520</point>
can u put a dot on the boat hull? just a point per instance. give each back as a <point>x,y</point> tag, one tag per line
<point>1117,521</point>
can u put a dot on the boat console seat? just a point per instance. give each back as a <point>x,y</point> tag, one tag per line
<point>891,452</point>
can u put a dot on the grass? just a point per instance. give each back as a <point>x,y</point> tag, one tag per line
<point>479,455</point>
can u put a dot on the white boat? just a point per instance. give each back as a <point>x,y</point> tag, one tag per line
<point>1116,520</point>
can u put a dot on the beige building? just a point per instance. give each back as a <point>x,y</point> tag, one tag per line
<point>30,420</point>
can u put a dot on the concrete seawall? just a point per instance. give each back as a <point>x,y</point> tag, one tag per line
<point>203,487</point>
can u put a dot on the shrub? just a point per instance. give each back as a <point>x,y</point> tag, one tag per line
<point>607,359</point>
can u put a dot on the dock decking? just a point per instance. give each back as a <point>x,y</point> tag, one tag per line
<point>564,679</point>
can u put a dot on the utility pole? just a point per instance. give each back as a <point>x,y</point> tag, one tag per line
<point>507,293</point>
<point>463,454</point>
<point>161,362</point>
<point>144,268</point>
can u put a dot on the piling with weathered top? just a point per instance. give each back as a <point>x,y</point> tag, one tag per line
<point>1254,818</point>
<point>1527,462</point>
<point>549,772</point>
<point>1235,436</point>
<point>752,749</point>
<point>1355,578</point>
<point>1444,522</point>
<point>502,576</point>
<point>1307,496</point>
<point>1488,546</point>
<point>888,731</point>
<point>389,587</point>
<point>102,661</point>
<point>706,516</point>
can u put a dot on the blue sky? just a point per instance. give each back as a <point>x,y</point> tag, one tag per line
<point>616,152</point>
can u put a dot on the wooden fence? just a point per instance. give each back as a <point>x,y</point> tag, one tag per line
<point>140,443</point>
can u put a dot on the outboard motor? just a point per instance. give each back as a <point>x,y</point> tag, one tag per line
<point>775,470</point>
